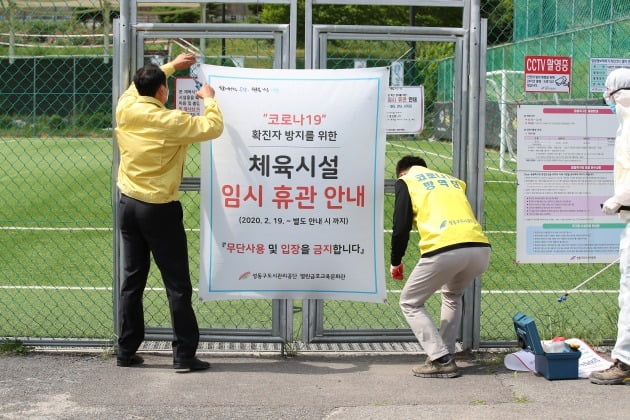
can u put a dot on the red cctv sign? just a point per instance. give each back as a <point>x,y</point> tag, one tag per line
<point>547,74</point>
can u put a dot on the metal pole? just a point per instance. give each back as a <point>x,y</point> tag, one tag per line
<point>293,34</point>
<point>412,45</point>
<point>473,163</point>
<point>121,76</point>
<point>107,27</point>
<point>204,19</point>
<point>503,110</point>
<point>11,11</point>
<point>308,34</point>
<point>223,50</point>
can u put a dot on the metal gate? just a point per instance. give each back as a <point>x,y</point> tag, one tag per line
<point>331,321</point>
<point>345,322</point>
<point>135,44</point>
<point>56,222</point>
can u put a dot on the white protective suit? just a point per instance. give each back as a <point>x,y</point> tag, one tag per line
<point>619,97</point>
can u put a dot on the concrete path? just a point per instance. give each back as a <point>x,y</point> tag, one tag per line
<point>67,385</point>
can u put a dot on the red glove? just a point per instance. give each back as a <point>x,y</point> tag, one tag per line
<point>397,272</point>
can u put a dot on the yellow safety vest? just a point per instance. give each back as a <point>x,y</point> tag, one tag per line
<point>442,214</point>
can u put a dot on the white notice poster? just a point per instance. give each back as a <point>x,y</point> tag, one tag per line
<point>565,172</point>
<point>405,110</point>
<point>292,192</point>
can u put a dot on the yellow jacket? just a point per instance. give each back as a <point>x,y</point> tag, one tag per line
<point>152,141</point>
<point>442,213</point>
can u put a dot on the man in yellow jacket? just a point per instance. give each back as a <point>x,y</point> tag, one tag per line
<point>454,251</point>
<point>152,141</point>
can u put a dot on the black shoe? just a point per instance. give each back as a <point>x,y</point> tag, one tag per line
<point>132,360</point>
<point>190,364</point>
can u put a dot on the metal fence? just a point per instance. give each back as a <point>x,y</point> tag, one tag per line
<point>56,229</point>
<point>581,29</point>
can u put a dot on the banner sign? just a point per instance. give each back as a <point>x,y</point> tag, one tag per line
<point>292,192</point>
<point>547,74</point>
<point>565,172</point>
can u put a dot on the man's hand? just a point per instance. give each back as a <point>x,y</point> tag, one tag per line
<point>206,91</point>
<point>184,61</point>
<point>397,272</point>
<point>611,206</point>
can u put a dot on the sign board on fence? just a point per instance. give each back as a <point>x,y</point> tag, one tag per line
<point>600,68</point>
<point>564,173</point>
<point>185,97</point>
<point>405,109</point>
<point>547,74</point>
<point>292,191</point>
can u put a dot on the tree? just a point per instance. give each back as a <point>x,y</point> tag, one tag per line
<point>499,13</point>
<point>184,15</point>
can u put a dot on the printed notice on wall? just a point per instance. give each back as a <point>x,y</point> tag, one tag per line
<point>565,171</point>
<point>292,191</point>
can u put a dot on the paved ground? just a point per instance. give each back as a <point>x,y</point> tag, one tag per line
<point>311,385</point>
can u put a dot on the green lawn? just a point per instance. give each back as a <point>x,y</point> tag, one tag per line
<point>56,257</point>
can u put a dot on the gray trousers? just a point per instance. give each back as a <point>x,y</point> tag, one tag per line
<point>452,271</point>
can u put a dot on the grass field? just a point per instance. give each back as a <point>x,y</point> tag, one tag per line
<point>56,257</point>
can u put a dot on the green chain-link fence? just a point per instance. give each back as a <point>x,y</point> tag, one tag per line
<point>55,216</point>
<point>581,29</point>
<point>56,151</point>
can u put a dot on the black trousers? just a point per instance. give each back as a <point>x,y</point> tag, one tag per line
<point>156,229</point>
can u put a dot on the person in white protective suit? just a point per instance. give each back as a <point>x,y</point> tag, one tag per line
<point>617,96</point>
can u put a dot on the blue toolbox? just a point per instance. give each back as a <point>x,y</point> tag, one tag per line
<point>563,365</point>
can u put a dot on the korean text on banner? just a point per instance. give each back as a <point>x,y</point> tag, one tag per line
<point>292,192</point>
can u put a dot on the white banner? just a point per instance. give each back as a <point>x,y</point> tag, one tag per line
<point>292,192</point>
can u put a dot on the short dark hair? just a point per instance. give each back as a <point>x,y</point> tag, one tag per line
<point>148,80</point>
<point>407,162</point>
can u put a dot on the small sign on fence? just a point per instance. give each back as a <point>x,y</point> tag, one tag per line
<point>547,74</point>
<point>405,109</point>
<point>186,96</point>
<point>600,68</point>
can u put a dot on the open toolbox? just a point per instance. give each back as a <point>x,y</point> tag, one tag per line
<point>562,365</point>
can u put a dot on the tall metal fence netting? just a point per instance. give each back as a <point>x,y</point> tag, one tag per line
<point>55,217</point>
<point>581,29</point>
<point>417,64</point>
<point>56,227</point>
<point>56,151</point>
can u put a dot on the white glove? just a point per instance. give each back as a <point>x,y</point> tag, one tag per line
<point>611,206</point>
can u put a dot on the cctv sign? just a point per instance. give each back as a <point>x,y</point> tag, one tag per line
<point>547,74</point>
